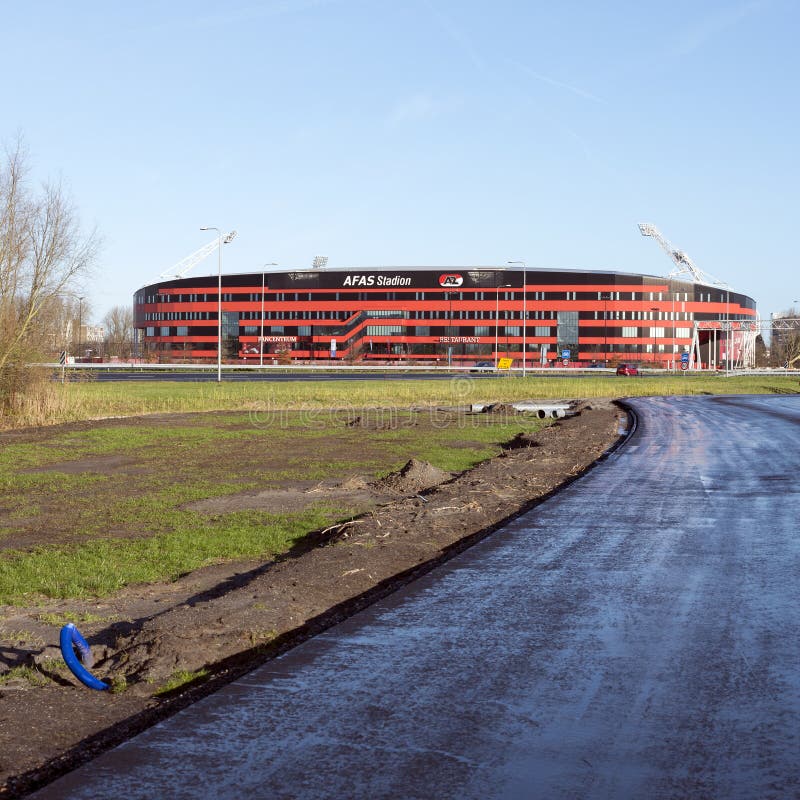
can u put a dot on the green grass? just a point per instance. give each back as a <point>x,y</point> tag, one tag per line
<point>27,674</point>
<point>101,567</point>
<point>110,530</point>
<point>88,400</point>
<point>21,637</point>
<point>58,620</point>
<point>483,434</point>
<point>180,679</point>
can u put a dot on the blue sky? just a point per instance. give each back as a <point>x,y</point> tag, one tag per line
<point>427,132</point>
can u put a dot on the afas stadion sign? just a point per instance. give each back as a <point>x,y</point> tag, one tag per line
<point>448,280</point>
<point>382,279</point>
<point>376,280</point>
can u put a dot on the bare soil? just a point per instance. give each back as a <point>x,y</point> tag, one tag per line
<point>226,619</point>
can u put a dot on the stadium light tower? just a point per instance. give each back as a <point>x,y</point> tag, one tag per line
<point>320,262</point>
<point>220,241</point>
<point>524,312</point>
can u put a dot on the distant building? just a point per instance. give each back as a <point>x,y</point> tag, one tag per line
<point>429,315</point>
<point>92,334</point>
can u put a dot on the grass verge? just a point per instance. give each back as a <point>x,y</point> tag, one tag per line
<point>91,400</point>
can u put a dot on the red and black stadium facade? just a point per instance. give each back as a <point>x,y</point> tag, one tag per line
<point>457,315</point>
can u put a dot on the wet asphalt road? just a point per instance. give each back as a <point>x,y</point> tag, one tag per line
<point>636,636</point>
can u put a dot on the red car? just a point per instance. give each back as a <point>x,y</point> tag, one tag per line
<point>627,369</point>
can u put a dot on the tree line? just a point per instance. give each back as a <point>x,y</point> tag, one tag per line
<point>44,257</point>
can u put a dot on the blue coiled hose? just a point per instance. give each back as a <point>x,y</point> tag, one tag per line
<point>70,640</point>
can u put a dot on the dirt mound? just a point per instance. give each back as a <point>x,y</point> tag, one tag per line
<point>521,440</point>
<point>415,476</point>
<point>356,483</point>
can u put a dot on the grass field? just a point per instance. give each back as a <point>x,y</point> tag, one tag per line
<point>90,400</point>
<point>86,512</point>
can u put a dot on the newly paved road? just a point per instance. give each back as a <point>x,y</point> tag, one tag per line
<point>636,636</point>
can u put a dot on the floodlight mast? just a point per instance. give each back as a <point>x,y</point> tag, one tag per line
<point>684,266</point>
<point>185,265</point>
<point>319,262</point>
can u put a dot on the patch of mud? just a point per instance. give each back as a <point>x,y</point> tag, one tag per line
<point>99,464</point>
<point>354,493</point>
<point>522,439</point>
<point>381,420</point>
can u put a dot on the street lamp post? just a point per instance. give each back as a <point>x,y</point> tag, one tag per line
<point>68,335</point>
<point>605,330</point>
<point>653,319</point>
<point>219,298</point>
<point>674,337</point>
<point>497,321</point>
<point>728,330</point>
<point>450,336</point>
<point>227,239</point>
<point>524,312</point>
<point>261,338</point>
<point>80,326</point>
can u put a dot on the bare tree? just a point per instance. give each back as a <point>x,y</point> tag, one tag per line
<point>42,254</point>
<point>118,323</point>
<point>785,345</point>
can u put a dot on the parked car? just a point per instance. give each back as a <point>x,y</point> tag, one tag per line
<point>483,366</point>
<point>627,369</point>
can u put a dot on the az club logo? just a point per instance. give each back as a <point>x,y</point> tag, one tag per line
<point>450,280</point>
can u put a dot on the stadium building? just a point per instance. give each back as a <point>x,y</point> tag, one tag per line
<point>458,316</point>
